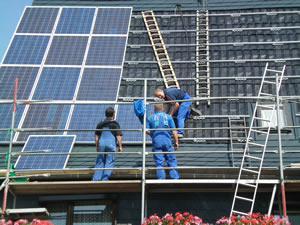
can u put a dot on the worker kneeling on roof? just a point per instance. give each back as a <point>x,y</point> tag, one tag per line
<point>181,110</point>
<point>161,141</point>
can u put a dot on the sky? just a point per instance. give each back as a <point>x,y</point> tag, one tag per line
<point>10,13</point>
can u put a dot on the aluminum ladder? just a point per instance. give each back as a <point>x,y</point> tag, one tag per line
<point>238,137</point>
<point>160,51</point>
<point>256,151</point>
<point>202,55</point>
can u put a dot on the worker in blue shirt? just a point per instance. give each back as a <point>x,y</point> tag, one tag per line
<point>106,142</point>
<point>181,110</point>
<point>161,141</point>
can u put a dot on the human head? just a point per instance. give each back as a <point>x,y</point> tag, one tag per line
<point>159,93</point>
<point>158,107</point>
<point>109,112</point>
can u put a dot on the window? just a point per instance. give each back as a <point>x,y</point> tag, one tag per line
<point>100,212</point>
<point>266,113</point>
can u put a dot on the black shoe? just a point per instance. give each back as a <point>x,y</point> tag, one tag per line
<point>195,112</point>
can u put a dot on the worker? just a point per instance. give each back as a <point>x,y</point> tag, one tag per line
<point>106,142</point>
<point>181,110</point>
<point>161,141</point>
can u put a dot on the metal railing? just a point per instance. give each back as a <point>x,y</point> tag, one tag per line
<point>143,153</point>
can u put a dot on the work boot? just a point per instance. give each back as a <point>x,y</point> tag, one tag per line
<point>195,112</point>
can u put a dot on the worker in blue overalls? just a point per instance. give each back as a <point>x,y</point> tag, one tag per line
<point>161,141</point>
<point>106,142</point>
<point>181,110</point>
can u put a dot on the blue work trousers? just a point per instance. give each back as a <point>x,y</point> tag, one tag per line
<point>182,113</point>
<point>104,161</point>
<point>164,144</point>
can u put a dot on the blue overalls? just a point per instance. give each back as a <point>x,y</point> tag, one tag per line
<point>107,143</point>
<point>161,142</point>
<point>183,110</point>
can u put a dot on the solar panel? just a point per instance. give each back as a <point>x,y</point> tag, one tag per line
<point>6,118</point>
<point>67,50</point>
<point>86,117</point>
<point>75,21</point>
<point>26,49</point>
<point>106,51</point>
<point>47,54</point>
<point>99,84</point>
<point>45,116</point>
<point>47,144</point>
<point>112,21</point>
<point>128,120</point>
<point>38,20</point>
<point>62,80</point>
<point>26,77</point>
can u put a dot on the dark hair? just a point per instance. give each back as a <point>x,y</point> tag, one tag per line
<point>109,112</point>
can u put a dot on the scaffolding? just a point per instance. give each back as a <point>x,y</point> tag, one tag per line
<point>144,180</point>
<point>143,170</point>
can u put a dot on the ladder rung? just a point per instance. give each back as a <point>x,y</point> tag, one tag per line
<point>262,119</point>
<point>238,212</point>
<point>154,30</point>
<point>173,86</point>
<point>266,94</point>
<point>243,198</point>
<point>171,75</point>
<point>259,131</point>
<point>256,144</point>
<point>269,82</point>
<point>248,185</point>
<point>250,171</point>
<point>266,106</point>
<point>253,157</point>
<point>275,71</point>
<point>159,54</point>
<point>170,81</point>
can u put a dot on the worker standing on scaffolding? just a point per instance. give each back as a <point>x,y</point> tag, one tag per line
<point>106,142</point>
<point>162,142</point>
<point>181,110</point>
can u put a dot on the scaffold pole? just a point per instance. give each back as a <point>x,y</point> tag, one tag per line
<point>11,132</point>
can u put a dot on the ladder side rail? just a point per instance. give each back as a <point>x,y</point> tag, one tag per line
<point>231,141</point>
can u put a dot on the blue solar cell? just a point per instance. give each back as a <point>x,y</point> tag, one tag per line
<point>45,116</point>
<point>86,117</point>
<point>128,120</point>
<point>48,144</point>
<point>99,84</point>
<point>26,49</point>
<point>112,21</point>
<point>38,20</point>
<point>6,118</point>
<point>66,50</point>
<point>57,83</point>
<point>106,51</point>
<point>75,21</point>
<point>26,77</point>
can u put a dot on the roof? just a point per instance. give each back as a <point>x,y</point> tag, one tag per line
<point>170,5</point>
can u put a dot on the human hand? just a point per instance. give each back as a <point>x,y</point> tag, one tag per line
<point>176,146</point>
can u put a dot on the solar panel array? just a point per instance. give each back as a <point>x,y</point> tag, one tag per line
<point>37,145</point>
<point>63,53</point>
